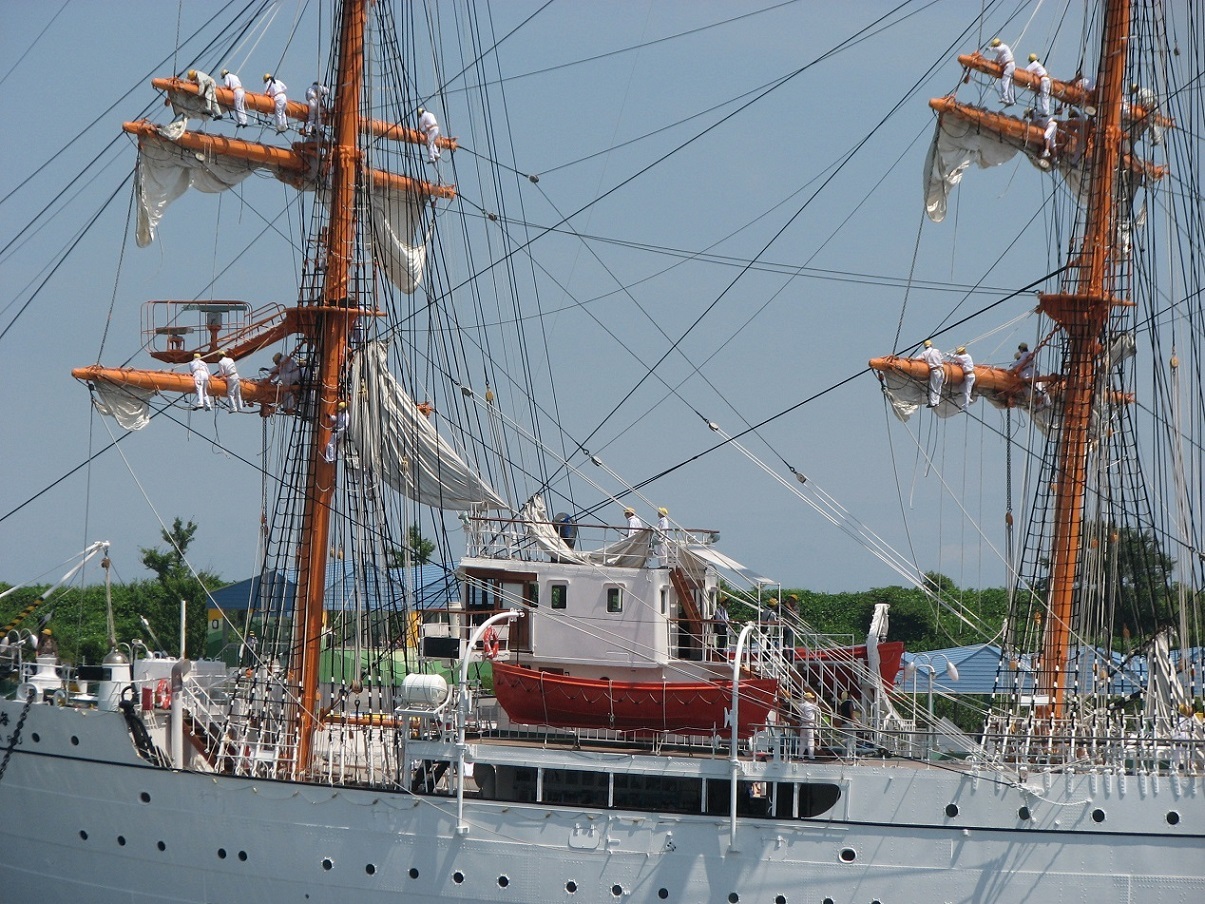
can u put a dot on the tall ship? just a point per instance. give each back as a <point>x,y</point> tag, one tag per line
<point>559,705</point>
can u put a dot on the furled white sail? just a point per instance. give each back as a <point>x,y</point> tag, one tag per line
<point>399,443</point>
<point>127,405</point>
<point>166,171</point>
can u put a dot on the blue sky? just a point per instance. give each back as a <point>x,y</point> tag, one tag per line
<point>706,157</point>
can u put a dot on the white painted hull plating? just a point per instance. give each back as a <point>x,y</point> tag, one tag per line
<point>86,820</point>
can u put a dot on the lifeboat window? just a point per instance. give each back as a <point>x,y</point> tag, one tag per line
<point>558,596</point>
<point>614,599</point>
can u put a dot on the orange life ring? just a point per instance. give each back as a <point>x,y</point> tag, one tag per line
<point>163,694</point>
<point>489,643</point>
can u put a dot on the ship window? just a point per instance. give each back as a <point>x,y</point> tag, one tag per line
<point>614,599</point>
<point>533,595</point>
<point>558,596</point>
<point>1173,818</point>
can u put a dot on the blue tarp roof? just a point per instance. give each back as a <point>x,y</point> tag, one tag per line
<point>422,587</point>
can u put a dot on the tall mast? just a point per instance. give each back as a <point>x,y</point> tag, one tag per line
<point>1083,313</point>
<point>335,311</point>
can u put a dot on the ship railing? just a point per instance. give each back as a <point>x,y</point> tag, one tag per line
<point>1116,743</point>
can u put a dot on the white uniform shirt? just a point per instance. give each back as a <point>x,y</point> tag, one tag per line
<point>274,87</point>
<point>200,370</point>
<point>427,122</point>
<point>932,357</point>
<point>227,369</point>
<point>231,81</point>
<point>809,714</point>
<point>635,525</point>
<point>1037,69</point>
<point>1004,55</point>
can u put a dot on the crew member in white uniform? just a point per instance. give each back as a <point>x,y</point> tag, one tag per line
<point>663,529</point>
<point>200,379</point>
<point>1004,56</point>
<point>234,390</point>
<point>809,721</point>
<point>315,96</point>
<point>206,87</point>
<point>339,422</point>
<point>635,525</point>
<point>937,373</point>
<point>429,127</point>
<point>275,89</point>
<point>1038,71</point>
<point>963,360</point>
<point>286,374</point>
<point>235,84</point>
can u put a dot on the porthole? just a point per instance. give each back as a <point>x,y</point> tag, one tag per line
<point>413,873</point>
<point>36,737</point>
<point>1173,818</point>
<point>733,898</point>
<point>571,887</point>
<point>144,797</point>
<point>1024,814</point>
<point>162,846</point>
<point>458,877</point>
<point>371,869</point>
<point>828,901</point>
<point>951,810</point>
<point>328,864</point>
<point>84,835</point>
<point>780,899</point>
<point>1098,815</point>
<point>617,890</point>
<point>242,855</point>
<point>74,741</point>
<point>848,855</point>
<point>221,853</point>
<point>503,881</point>
<point>663,893</point>
<point>121,840</point>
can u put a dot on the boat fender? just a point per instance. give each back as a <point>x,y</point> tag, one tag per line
<point>163,694</point>
<point>489,643</point>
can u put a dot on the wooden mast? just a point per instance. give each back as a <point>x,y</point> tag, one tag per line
<point>336,310</point>
<point>1083,313</point>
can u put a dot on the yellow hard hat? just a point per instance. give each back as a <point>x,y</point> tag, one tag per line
<point>1185,709</point>
<point>276,357</point>
<point>421,111</point>
<point>225,72</point>
<point>629,511</point>
<point>662,511</point>
<point>928,343</point>
<point>809,696</point>
<point>1033,57</point>
<point>196,354</point>
<point>996,42</point>
<point>961,350</point>
<point>192,73</point>
<point>343,404</point>
<point>267,76</point>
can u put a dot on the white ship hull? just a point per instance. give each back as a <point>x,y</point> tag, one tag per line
<point>87,819</point>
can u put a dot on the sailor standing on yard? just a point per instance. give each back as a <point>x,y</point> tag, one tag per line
<point>200,379</point>
<point>339,423</point>
<point>937,374</point>
<point>963,360</point>
<point>1038,71</point>
<point>234,389</point>
<point>206,88</point>
<point>430,128</point>
<point>235,85</point>
<point>1004,56</point>
<point>275,89</point>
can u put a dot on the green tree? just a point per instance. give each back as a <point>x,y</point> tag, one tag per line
<point>176,581</point>
<point>418,546</point>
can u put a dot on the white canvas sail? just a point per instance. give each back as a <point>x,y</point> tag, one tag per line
<point>399,443</point>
